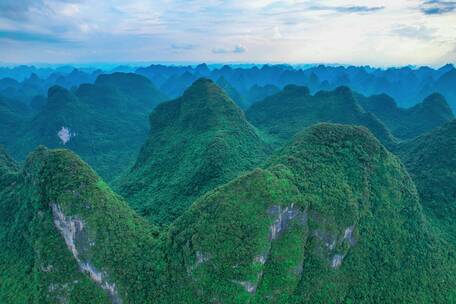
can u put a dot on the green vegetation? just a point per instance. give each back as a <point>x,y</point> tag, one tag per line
<point>332,217</point>
<point>353,230</point>
<point>57,192</point>
<point>291,110</point>
<point>433,112</point>
<point>196,142</point>
<point>105,122</point>
<point>208,214</point>
<point>431,161</point>
<point>231,91</point>
<point>12,117</point>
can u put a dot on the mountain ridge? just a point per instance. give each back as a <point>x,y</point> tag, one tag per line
<point>196,142</point>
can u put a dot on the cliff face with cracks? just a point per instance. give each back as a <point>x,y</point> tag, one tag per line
<point>318,223</point>
<point>77,241</point>
<point>307,226</point>
<point>83,238</point>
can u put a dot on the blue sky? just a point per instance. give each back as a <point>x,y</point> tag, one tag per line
<point>380,33</point>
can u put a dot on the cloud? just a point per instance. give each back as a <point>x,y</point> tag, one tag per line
<point>348,9</point>
<point>419,32</point>
<point>344,31</point>
<point>29,36</point>
<point>358,9</point>
<point>303,8</point>
<point>239,49</point>
<point>182,46</point>
<point>235,50</point>
<point>17,9</point>
<point>436,7</point>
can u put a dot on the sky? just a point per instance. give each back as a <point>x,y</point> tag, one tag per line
<point>378,33</point>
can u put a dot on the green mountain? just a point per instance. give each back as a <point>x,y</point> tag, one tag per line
<point>431,161</point>
<point>105,123</point>
<point>133,85</point>
<point>67,238</point>
<point>409,123</point>
<point>12,117</point>
<point>294,108</point>
<point>231,91</point>
<point>257,93</point>
<point>332,217</point>
<point>197,142</point>
<point>7,165</point>
<point>446,86</point>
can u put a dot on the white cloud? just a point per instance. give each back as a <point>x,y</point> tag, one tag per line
<point>389,32</point>
<point>237,49</point>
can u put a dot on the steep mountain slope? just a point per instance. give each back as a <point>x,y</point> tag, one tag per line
<point>231,91</point>
<point>134,85</point>
<point>197,142</point>
<point>7,165</point>
<point>446,85</point>
<point>177,84</point>
<point>11,120</point>
<point>431,161</point>
<point>257,93</point>
<point>105,123</point>
<point>288,112</point>
<point>409,123</point>
<point>78,241</point>
<point>332,218</point>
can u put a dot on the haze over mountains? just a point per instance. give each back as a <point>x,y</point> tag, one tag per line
<point>206,184</point>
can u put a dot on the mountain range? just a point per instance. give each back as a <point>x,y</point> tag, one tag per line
<point>306,193</point>
<point>105,122</point>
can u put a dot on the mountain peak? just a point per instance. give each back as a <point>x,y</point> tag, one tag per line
<point>447,67</point>
<point>204,104</point>
<point>202,69</point>
<point>197,142</point>
<point>436,99</point>
<point>333,132</point>
<point>286,113</point>
<point>58,95</point>
<point>202,83</point>
<point>296,89</point>
<point>134,85</point>
<point>343,90</point>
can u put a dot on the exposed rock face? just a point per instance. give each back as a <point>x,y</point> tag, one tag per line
<point>201,257</point>
<point>331,243</point>
<point>249,286</point>
<point>77,241</point>
<point>337,260</point>
<point>348,235</point>
<point>65,135</point>
<point>283,218</point>
<point>261,259</point>
<point>326,238</point>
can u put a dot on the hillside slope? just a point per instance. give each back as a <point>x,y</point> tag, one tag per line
<point>294,108</point>
<point>11,120</point>
<point>105,123</point>
<point>332,218</point>
<point>78,241</point>
<point>431,113</point>
<point>431,161</point>
<point>197,142</point>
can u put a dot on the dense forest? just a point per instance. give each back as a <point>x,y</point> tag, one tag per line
<point>227,184</point>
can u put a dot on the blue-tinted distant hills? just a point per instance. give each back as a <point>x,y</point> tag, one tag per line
<point>406,85</point>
